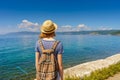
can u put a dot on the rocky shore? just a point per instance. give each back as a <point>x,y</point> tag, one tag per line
<point>88,67</point>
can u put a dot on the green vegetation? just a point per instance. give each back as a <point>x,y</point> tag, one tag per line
<point>116,33</point>
<point>100,74</point>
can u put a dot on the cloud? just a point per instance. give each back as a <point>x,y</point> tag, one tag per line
<point>67,28</point>
<point>83,27</point>
<point>29,25</point>
<point>105,28</point>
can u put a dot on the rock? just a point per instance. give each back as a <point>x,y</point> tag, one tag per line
<point>88,67</point>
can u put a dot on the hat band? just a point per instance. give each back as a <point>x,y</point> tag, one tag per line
<point>53,28</point>
<point>49,30</point>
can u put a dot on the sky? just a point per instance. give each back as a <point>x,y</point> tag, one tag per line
<point>28,15</point>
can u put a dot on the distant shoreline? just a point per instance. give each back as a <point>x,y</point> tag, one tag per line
<point>88,67</point>
<point>93,32</point>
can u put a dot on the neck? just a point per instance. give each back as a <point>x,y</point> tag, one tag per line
<point>50,38</point>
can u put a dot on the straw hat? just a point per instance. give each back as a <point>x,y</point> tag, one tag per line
<point>48,27</point>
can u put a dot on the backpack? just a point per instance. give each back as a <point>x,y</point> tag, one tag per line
<point>48,65</point>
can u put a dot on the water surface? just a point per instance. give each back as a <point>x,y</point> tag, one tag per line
<point>17,56</point>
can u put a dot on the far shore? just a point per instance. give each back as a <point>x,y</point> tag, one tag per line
<point>83,69</point>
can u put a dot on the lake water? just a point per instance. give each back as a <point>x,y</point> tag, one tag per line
<point>17,56</point>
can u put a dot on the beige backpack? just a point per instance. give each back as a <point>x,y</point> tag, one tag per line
<point>48,65</point>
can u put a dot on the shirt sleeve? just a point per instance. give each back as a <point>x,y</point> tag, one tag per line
<point>60,48</point>
<point>36,47</point>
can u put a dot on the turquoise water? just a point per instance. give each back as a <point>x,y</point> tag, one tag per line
<point>17,52</point>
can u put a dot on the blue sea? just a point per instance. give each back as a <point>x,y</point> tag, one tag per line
<point>17,53</point>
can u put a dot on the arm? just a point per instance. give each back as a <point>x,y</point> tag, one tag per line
<point>37,57</point>
<point>60,66</point>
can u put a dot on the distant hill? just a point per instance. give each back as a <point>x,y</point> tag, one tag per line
<point>23,33</point>
<point>116,33</point>
<point>98,32</point>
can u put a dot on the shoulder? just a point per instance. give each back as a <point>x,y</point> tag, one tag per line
<point>59,43</point>
<point>37,42</point>
<point>59,48</point>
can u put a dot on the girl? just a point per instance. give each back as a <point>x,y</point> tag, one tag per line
<point>47,38</point>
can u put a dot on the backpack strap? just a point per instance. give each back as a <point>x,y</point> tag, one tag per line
<point>55,45</point>
<point>41,45</point>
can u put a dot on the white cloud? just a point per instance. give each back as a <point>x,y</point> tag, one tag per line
<point>105,28</point>
<point>64,28</point>
<point>29,25</point>
<point>83,27</point>
<point>67,28</point>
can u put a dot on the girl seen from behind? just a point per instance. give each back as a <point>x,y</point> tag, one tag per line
<point>48,52</point>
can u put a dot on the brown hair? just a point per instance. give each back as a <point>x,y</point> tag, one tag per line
<point>43,35</point>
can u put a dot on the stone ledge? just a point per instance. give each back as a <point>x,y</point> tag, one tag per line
<point>88,67</point>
